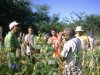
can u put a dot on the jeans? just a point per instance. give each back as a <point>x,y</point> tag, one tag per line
<point>12,61</point>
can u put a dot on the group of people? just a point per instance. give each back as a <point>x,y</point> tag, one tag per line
<point>13,45</point>
<point>69,46</point>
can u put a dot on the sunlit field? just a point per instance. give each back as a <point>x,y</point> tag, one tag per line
<point>42,62</point>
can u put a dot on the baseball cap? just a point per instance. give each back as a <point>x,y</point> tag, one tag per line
<point>12,24</point>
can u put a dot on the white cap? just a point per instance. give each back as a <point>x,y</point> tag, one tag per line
<point>79,28</point>
<point>12,24</point>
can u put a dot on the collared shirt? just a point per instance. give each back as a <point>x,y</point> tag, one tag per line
<point>71,47</point>
<point>11,42</point>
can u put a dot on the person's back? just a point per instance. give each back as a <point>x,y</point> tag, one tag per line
<point>72,48</point>
<point>71,53</point>
<point>84,42</point>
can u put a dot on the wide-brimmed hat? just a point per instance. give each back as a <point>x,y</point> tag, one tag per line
<point>12,24</point>
<point>79,28</point>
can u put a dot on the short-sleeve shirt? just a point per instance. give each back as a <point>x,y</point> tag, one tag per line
<point>11,41</point>
<point>70,48</point>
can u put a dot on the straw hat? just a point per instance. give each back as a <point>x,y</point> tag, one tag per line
<point>79,28</point>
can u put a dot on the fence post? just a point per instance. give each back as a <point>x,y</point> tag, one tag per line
<point>0,36</point>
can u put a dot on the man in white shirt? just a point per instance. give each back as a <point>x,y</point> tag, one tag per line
<point>71,53</point>
<point>29,40</point>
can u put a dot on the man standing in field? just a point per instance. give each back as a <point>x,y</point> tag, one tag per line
<point>71,53</point>
<point>84,44</point>
<point>12,44</point>
<point>84,39</point>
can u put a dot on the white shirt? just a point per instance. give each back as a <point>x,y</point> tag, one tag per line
<point>29,38</point>
<point>70,48</point>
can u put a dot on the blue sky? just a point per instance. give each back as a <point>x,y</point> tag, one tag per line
<point>65,7</point>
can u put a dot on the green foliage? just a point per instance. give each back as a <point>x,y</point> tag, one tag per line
<point>47,65</point>
<point>12,10</point>
<point>41,44</point>
<point>42,8</point>
<point>20,10</point>
<point>43,63</point>
<point>5,70</point>
<point>92,62</point>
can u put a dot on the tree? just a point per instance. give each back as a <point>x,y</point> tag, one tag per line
<point>42,9</point>
<point>79,18</point>
<point>93,22</point>
<point>12,10</point>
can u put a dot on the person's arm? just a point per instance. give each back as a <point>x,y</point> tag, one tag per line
<point>26,40</point>
<point>60,42</point>
<point>64,52</point>
<point>50,40</point>
<point>61,58</point>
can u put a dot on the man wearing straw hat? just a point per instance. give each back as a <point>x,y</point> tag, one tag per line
<point>84,43</point>
<point>84,39</point>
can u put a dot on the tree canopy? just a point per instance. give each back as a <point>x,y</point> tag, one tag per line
<point>21,11</point>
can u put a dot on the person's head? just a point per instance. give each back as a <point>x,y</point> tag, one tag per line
<point>68,33</point>
<point>46,37</point>
<point>30,30</point>
<point>91,34</point>
<point>14,27</point>
<point>53,32</point>
<point>79,30</point>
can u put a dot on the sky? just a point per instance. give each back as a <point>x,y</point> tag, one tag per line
<point>65,7</point>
